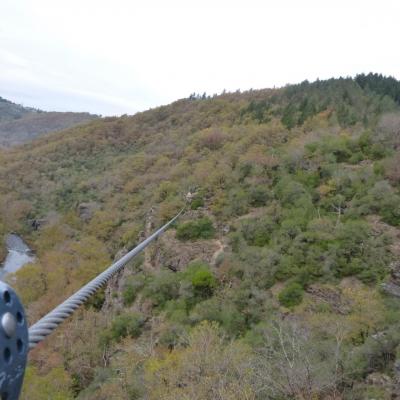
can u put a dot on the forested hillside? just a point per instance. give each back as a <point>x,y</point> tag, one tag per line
<point>20,124</point>
<point>276,283</point>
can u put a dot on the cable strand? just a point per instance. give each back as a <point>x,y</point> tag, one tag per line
<point>46,325</point>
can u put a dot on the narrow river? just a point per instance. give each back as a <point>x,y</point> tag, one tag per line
<point>18,255</point>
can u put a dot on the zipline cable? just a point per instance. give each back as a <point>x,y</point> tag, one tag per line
<point>46,325</point>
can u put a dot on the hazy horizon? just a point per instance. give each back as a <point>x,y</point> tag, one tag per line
<point>126,57</point>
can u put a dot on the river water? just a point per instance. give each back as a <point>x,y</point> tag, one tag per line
<point>18,255</point>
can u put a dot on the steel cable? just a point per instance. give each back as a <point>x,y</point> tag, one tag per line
<point>46,325</point>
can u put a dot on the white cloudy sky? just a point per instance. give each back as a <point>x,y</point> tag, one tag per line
<point>120,56</point>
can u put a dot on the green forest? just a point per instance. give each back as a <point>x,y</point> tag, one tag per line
<point>275,283</point>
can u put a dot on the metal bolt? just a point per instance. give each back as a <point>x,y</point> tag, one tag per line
<point>9,324</point>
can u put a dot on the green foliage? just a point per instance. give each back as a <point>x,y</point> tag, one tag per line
<point>130,236</point>
<point>53,385</point>
<point>196,203</point>
<point>97,300</point>
<point>30,283</point>
<point>336,149</point>
<point>258,111</point>
<point>129,324</point>
<point>166,190</point>
<point>237,202</point>
<point>358,253</point>
<point>259,196</point>
<point>291,295</point>
<point>201,278</point>
<point>346,115</point>
<point>374,354</point>
<point>199,229</point>
<point>257,232</point>
<point>177,292</point>
<point>128,295</point>
<point>171,336</point>
<point>162,287</point>
<point>177,310</point>
<point>289,191</point>
<point>131,288</point>
<point>318,162</point>
<point>227,315</point>
<point>236,311</point>
<point>380,84</point>
<point>289,118</point>
<point>381,199</point>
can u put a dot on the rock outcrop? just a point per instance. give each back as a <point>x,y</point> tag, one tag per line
<point>392,286</point>
<point>86,210</point>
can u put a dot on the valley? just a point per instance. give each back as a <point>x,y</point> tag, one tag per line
<point>275,277</point>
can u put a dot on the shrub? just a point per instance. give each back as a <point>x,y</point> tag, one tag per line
<point>176,310</point>
<point>201,278</point>
<point>232,320</point>
<point>357,252</point>
<point>97,300</point>
<point>163,287</point>
<point>237,202</point>
<point>171,336</point>
<point>166,189</point>
<point>377,151</point>
<point>128,295</point>
<point>203,281</point>
<point>244,169</point>
<point>131,288</point>
<point>356,158</point>
<point>30,282</point>
<point>125,325</point>
<point>291,295</point>
<point>169,208</point>
<point>235,241</point>
<point>290,191</point>
<point>292,227</point>
<point>257,232</point>
<point>224,312</point>
<point>213,139</point>
<point>196,203</point>
<point>259,196</point>
<point>391,213</point>
<point>201,229</point>
<point>207,310</point>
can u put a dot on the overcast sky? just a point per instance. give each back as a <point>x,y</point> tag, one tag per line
<point>119,56</point>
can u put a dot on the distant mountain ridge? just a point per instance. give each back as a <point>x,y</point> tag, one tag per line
<point>19,124</point>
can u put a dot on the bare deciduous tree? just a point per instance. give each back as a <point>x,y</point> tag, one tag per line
<point>292,364</point>
<point>388,129</point>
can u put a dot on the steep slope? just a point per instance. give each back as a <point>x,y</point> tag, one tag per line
<point>269,287</point>
<point>20,124</point>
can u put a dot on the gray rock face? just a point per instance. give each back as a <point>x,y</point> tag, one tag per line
<point>391,288</point>
<point>379,379</point>
<point>395,268</point>
<point>393,285</point>
<point>396,387</point>
<point>176,255</point>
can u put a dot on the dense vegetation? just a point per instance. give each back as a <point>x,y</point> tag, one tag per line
<point>269,285</point>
